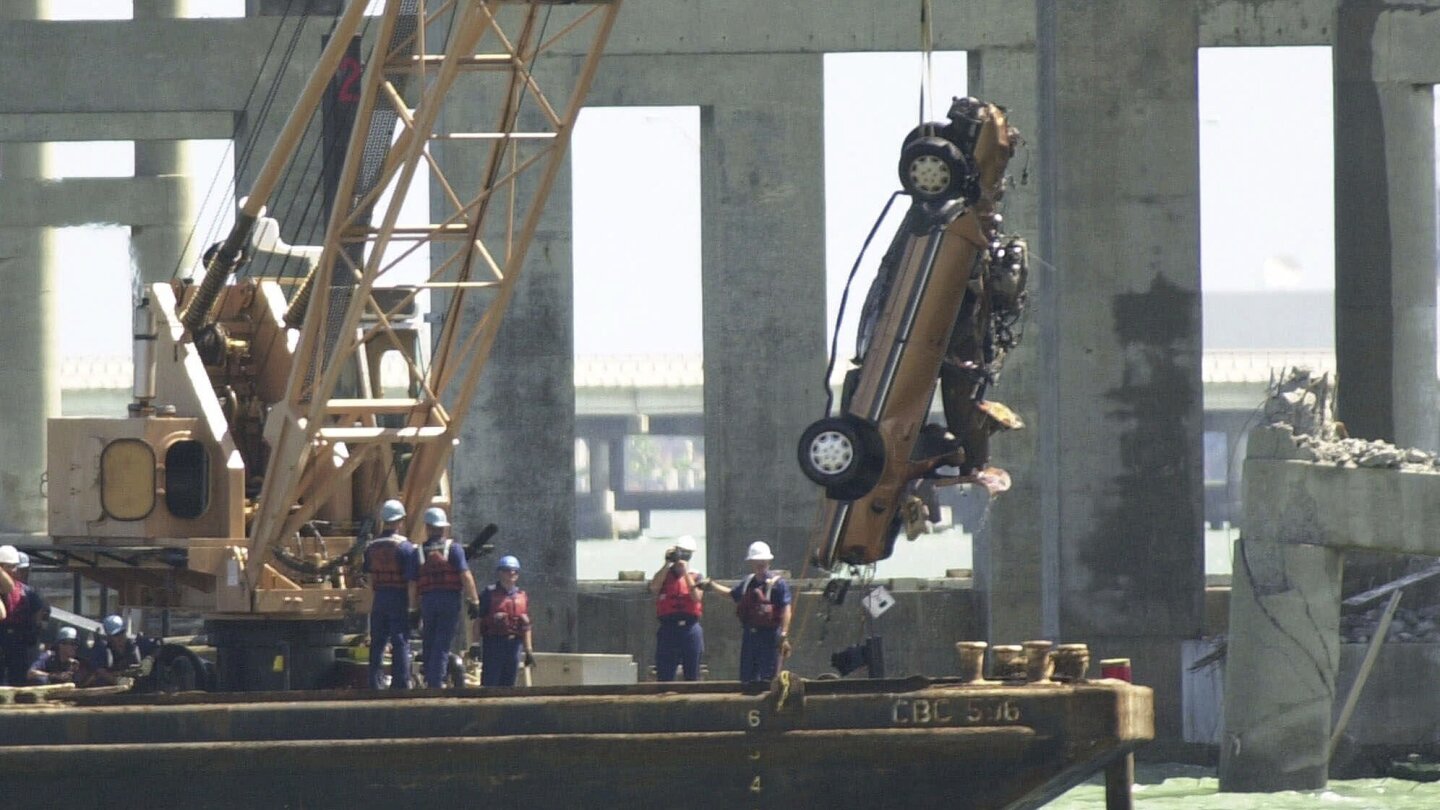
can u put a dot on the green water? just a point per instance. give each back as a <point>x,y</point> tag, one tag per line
<point>1196,788</point>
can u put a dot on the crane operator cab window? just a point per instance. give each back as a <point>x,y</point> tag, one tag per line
<point>187,479</point>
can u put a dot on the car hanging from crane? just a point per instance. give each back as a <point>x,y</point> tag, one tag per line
<point>945,308</point>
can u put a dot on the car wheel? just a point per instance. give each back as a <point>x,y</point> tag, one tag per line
<point>842,454</point>
<point>932,169</point>
<point>927,129</point>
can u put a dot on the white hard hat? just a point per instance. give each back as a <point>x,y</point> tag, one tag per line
<point>9,555</point>
<point>113,625</point>
<point>435,516</point>
<point>686,543</point>
<point>67,634</point>
<point>392,510</point>
<point>759,550</point>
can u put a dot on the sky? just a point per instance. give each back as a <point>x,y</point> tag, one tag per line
<point>1266,200</point>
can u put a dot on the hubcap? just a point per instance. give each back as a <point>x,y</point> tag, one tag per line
<point>929,174</point>
<point>831,452</point>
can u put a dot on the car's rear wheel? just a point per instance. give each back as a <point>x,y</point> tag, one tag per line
<point>842,454</point>
<point>932,168</point>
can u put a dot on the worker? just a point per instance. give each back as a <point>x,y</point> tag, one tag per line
<point>60,664</point>
<point>25,611</point>
<point>391,566</point>
<point>679,603</point>
<point>113,656</point>
<point>504,614</point>
<point>762,601</point>
<point>443,575</point>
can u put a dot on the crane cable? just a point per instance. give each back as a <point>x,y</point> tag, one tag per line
<point>927,48</point>
<point>230,145</point>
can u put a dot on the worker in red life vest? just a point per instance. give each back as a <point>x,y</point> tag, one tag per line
<point>444,573</point>
<point>762,601</point>
<point>392,567</point>
<point>23,612</point>
<point>504,614</point>
<point>679,603</point>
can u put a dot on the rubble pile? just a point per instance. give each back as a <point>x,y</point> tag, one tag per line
<point>1301,403</point>
<point>1410,626</point>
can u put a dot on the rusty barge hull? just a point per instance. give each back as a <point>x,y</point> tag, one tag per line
<point>911,743</point>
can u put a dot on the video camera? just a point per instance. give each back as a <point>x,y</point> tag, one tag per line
<point>675,555</point>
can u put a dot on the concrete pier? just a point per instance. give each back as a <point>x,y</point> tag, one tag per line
<point>1119,193</point>
<point>31,393</point>
<point>1284,639</point>
<point>1385,226</point>
<point>1280,666</point>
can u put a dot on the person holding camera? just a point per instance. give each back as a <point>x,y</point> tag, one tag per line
<point>679,594</point>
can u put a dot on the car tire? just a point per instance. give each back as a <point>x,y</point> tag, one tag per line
<point>843,454</point>
<point>927,129</point>
<point>933,169</point>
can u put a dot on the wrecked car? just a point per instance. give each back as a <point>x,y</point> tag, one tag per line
<point>944,309</point>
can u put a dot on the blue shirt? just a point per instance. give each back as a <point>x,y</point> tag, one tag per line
<point>50,664</point>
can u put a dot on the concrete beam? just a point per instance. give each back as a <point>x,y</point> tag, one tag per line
<point>1386,510</point>
<point>87,200</point>
<point>704,27</point>
<point>117,126</point>
<point>144,66</point>
<point>1246,23</point>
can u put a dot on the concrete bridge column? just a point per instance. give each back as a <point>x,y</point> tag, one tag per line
<point>1280,667</point>
<point>1119,149</point>
<point>1384,231</point>
<point>31,390</point>
<point>159,249</point>
<point>763,282</point>
<point>1014,551</point>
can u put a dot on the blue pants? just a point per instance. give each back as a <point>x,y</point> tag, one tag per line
<point>15,658</point>
<point>759,653</point>
<point>440,615</point>
<point>678,643</point>
<point>500,660</point>
<point>390,624</point>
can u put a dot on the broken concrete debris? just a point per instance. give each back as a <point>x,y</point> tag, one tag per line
<point>1300,426</point>
<point>1410,626</point>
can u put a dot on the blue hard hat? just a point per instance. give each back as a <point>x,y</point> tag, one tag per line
<point>391,511</point>
<point>113,625</point>
<point>508,561</point>
<point>435,516</point>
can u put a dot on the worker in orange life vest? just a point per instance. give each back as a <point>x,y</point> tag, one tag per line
<point>504,614</point>
<point>444,573</point>
<point>392,566</point>
<point>679,603</point>
<point>762,601</point>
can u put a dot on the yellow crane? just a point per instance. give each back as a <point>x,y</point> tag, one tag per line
<point>262,435</point>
